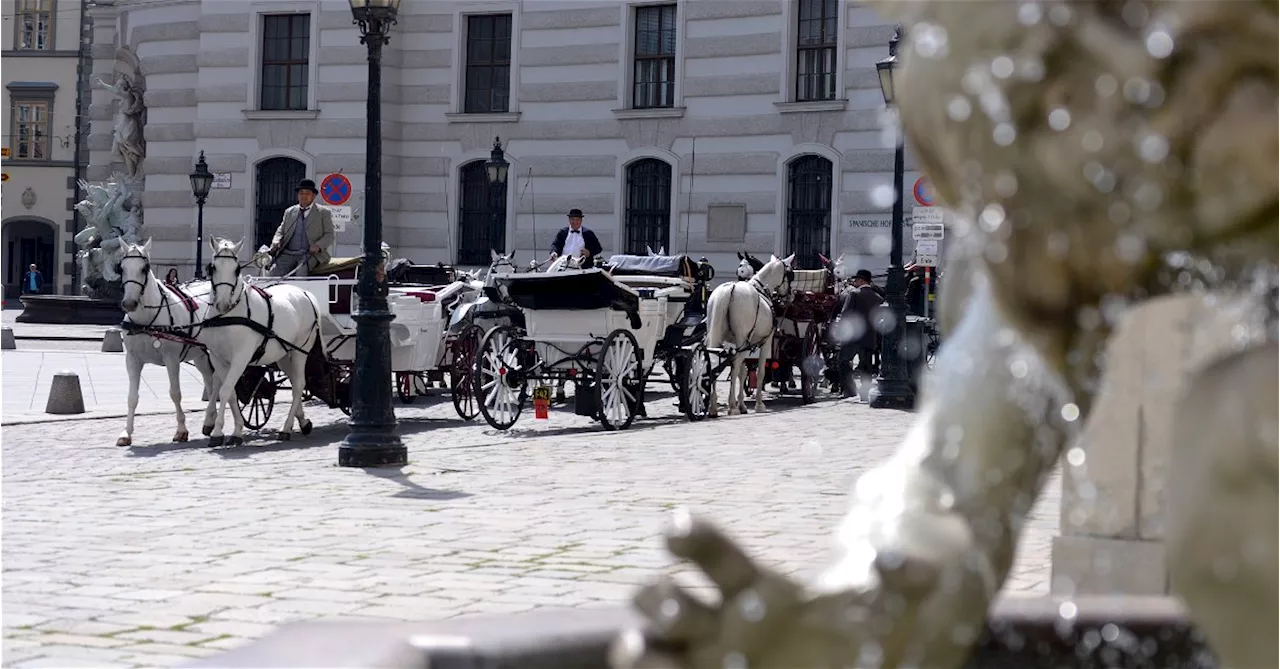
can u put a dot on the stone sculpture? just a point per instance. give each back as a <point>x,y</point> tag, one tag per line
<point>128,139</point>
<point>1094,154</point>
<point>113,218</point>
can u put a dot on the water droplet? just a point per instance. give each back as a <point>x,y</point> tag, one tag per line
<point>1148,196</point>
<point>1092,141</point>
<point>1031,69</point>
<point>751,606</point>
<point>992,217</point>
<point>1002,67</point>
<point>880,245</point>
<point>1060,15</point>
<point>735,661</point>
<point>669,610</point>
<point>930,40</point>
<point>883,195</point>
<point>1101,178</point>
<point>1130,248</point>
<point>1029,13</point>
<point>1119,213</point>
<point>1006,184</point>
<point>1076,457</point>
<point>1019,368</point>
<point>1110,632</point>
<point>885,321</point>
<point>959,108</point>
<point>1153,148</point>
<point>1106,85</point>
<point>1058,243</point>
<point>680,523</point>
<point>1070,412</point>
<point>1059,119</point>
<point>1159,43</point>
<point>1067,610</point>
<point>1135,14</point>
<point>946,500</point>
<point>1137,90</point>
<point>996,252</point>
<point>1004,134</point>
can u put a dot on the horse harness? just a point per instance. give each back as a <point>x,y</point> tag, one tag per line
<point>184,335</point>
<point>266,331</point>
<point>749,342</point>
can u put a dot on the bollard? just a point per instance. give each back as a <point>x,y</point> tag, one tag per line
<point>112,341</point>
<point>7,342</point>
<point>64,394</point>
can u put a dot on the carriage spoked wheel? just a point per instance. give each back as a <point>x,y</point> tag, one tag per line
<point>256,395</point>
<point>500,383</point>
<point>811,364</point>
<point>406,387</point>
<point>340,377</point>
<point>696,384</point>
<point>619,380</point>
<point>462,372</point>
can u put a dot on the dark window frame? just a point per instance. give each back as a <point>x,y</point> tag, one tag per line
<point>487,48</point>
<point>810,195</point>
<point>482,215</point>
<point>273,192</point>
<point>292,64</point>
<point>653,60</point>
<point>647,208</point>
<point>817,59</point>
<point>34,10</point>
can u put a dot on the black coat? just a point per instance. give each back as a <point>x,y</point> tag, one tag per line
<point>860,306</point>
<point>588,237</point>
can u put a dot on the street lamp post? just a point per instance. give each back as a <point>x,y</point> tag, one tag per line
<point>496,167</point>
<point>894,384</point>
<point>201,182</point>
<point>372,441</point>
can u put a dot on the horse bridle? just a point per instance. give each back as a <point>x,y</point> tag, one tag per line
<point>213,285</point>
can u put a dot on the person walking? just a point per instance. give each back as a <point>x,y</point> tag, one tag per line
<point>32,281</point>
<point>855,333</point>
<point>302,241</point>
<point>576,239</point>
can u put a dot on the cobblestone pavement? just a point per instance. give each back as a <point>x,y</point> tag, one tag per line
<point>159,553</point>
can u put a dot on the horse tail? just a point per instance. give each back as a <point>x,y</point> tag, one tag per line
<point>718,315</point>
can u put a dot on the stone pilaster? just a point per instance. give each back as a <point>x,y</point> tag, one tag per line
<point>102,104</point>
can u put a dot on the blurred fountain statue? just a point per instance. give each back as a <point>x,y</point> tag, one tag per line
<point>128,138</point>
<point>1094,154</point>
<point>113,218</point>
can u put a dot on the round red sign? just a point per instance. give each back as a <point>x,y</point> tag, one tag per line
<point>335,189</point>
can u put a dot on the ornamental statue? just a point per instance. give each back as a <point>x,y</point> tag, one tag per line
<point>113,218</point>
<point>128,138</point>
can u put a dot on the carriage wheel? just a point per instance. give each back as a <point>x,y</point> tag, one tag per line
<point>462,372</point>
<point>619,380</point>
<point>405,387</point>
<point>499,384</point>
<point>340,377</point>
<point>696,383</point>
<point>811,364</point>
<point>256,395</point>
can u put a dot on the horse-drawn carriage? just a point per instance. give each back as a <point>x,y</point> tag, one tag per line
<point>601,329</point>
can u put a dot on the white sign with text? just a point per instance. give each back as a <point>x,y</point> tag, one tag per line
<point>341,218</point>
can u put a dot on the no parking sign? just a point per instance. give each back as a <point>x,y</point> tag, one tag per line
<point>924,193</point>
<point>335,190</point>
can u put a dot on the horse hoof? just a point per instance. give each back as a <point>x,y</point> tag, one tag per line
<point>235,441</point>
<point>306,428</point>
<point>285,436</point>
<point>181,437</point>
<point>124,441</point>
<point>207,430</point>
<point>216,441</point>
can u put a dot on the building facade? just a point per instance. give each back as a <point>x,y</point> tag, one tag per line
<point>703,126</point>
<point>42,80</point>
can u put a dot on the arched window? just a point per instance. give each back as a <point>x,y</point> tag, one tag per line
<point>274,192</point>
<point>648,206</point>
<point>482,215</point>
<point>809,210</point>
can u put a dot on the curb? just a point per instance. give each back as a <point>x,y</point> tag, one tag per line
<point>33,419</point>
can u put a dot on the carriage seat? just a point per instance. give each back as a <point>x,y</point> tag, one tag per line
<point>811,281</point>
<point>680,266</point>
<point>344,268</point>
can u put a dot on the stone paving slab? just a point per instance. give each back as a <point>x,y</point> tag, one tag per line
<point>26,376</point>
<point>158,553</point>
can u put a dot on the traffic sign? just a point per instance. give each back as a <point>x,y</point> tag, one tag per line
<point>341,217</point>
<point>923,190</point>
<point>927,253</point>
<point>4,152</point>
<point>335,189</point>
<point>4,176</point>
<point>921,231</point>
<point>926,215</point>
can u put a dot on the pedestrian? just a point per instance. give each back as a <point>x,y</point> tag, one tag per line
<point>302,241</point>
<point>576,239</point>
<point>855,334</point>
<point>171,277</point>
<point>32,281</point>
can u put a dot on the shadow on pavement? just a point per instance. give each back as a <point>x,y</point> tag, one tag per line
<point>413,490</point>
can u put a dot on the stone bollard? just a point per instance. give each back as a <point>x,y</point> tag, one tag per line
<point>7,342</point>
<point>112,341</point>
<point>64,394</point>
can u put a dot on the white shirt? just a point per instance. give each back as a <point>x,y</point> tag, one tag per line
<point>573,243</point>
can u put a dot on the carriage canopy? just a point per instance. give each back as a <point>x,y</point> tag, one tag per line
<point>571,289</point>
<point>680,266</point>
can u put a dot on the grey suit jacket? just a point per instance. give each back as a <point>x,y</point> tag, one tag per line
<point>319,232</point>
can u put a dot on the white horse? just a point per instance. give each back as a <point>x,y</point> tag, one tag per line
<point>562,263</point>
<point>158,331</point>
<point>739,319</point>
<point>662,250</point>
<point>837,268</point>
<point>286,325</point>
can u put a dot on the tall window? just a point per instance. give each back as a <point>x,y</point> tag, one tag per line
<point>35,24</point>
<point>654,69</point>
<point>488,73</point>
<point>809,210</point>
<point>482,216</point>
<point>648,206</point>
<point>31,129</point>
<point>817,33</point>
<point>286,50</point>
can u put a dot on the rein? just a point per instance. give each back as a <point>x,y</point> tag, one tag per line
<point>181,334</point>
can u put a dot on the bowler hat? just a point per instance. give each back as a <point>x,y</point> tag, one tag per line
<point>575,213</point>
<point>865,275</point>
<point>307,184</point>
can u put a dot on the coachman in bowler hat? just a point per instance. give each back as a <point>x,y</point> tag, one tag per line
<point>302,241</point>
<point>576,239</point>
